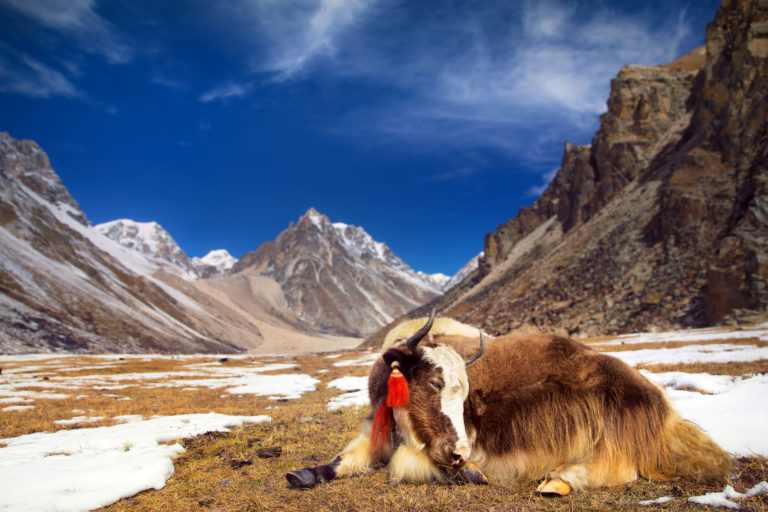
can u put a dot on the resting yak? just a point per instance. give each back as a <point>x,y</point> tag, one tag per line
<point>522,408</point>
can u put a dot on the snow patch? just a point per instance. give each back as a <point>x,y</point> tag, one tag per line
<point>357,392</point>
<point>723,499</point>
<point>84,469</point>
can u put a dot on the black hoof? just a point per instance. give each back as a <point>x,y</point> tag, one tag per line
<point>469,474</point>
<point>301,479</point>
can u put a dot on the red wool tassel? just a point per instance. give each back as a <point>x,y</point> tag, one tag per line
<point>397,396</point>
<point>380,428</point>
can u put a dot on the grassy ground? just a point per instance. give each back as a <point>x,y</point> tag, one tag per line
<point>244,470</point>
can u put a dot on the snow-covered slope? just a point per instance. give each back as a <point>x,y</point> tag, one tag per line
<point>463,273</point>
<point>151,240</point>
<point>436,281</point>
<point>157,245</point>
<point>337,277</point>
<point>220,259</point>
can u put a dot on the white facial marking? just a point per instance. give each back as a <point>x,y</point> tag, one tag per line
<point>454,392</point>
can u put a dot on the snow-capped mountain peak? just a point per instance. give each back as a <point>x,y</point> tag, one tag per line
<point>463,272</point>
<point>437,280</point>
<point>149,239</point>
<point>219,258</point>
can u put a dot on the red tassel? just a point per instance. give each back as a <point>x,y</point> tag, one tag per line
<point>398,394</point>
<point>380,428</point>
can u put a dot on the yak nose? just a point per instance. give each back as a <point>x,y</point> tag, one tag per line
<point>460,457</point>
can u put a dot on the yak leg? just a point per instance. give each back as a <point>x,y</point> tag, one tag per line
<point>413,465</point>
<point>309,477</point>
<point>354,459</point>
<point>563,479</point>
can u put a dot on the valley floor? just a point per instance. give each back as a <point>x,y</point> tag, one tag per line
<point>219,432</point>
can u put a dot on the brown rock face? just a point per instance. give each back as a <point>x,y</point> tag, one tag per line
<point>662,221</point>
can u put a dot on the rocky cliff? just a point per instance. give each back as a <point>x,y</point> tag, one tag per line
<point>336,277</point>
<point>662,221</point>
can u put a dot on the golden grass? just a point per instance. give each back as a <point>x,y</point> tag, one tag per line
<point>226,472</point>
<point>624,347</point>
<point>735,368</point>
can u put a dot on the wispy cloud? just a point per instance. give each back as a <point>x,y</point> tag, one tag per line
<point>77,19</point>
<point>537,190</point>
<point>168,82</point>
<point>226,92</point>
<point>31,77</point>
<point>296,33</point>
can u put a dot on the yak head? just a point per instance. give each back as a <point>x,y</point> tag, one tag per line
<point>438,386</point>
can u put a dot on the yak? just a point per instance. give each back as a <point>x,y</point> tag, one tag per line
<point>524,407</point>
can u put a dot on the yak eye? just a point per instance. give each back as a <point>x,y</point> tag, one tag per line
<point>436,384</point>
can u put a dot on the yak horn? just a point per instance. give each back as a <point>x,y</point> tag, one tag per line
<point>419,335</point>
<point>479,353</point>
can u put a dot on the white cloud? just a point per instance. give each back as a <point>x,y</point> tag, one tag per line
<point>225,92</point>
<point>31,77</point>
<point>298,32</point>
<point>79,20</point>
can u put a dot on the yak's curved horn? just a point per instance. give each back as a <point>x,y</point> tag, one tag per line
<point>419,335</point>
<point>479,353</point>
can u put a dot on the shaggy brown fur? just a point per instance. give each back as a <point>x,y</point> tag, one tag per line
<point>550,402</point>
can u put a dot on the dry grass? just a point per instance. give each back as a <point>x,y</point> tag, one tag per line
<point>757,342</point>
<point>736,369</point>
<point>230,472</point>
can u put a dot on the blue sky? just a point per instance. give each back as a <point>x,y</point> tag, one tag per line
<point>428,123</point>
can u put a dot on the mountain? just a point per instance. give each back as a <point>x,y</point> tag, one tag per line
<point>220,259</point>
<point>436,281</point>
<point>151,240</point>
<point>336,277</point>
<point>65,287</point>
<point>157,245</point>
<point>464,272</point>
<point>662,221</point>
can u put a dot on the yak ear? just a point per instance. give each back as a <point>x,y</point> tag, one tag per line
<point>477,404</point>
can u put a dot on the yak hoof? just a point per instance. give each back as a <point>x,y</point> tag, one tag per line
<point>468,474</point>
<point>554,487</point>
<point>474,475</point>
<point>301,479</point>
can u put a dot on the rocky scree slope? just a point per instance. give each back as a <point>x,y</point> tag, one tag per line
<point>662,221</point>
